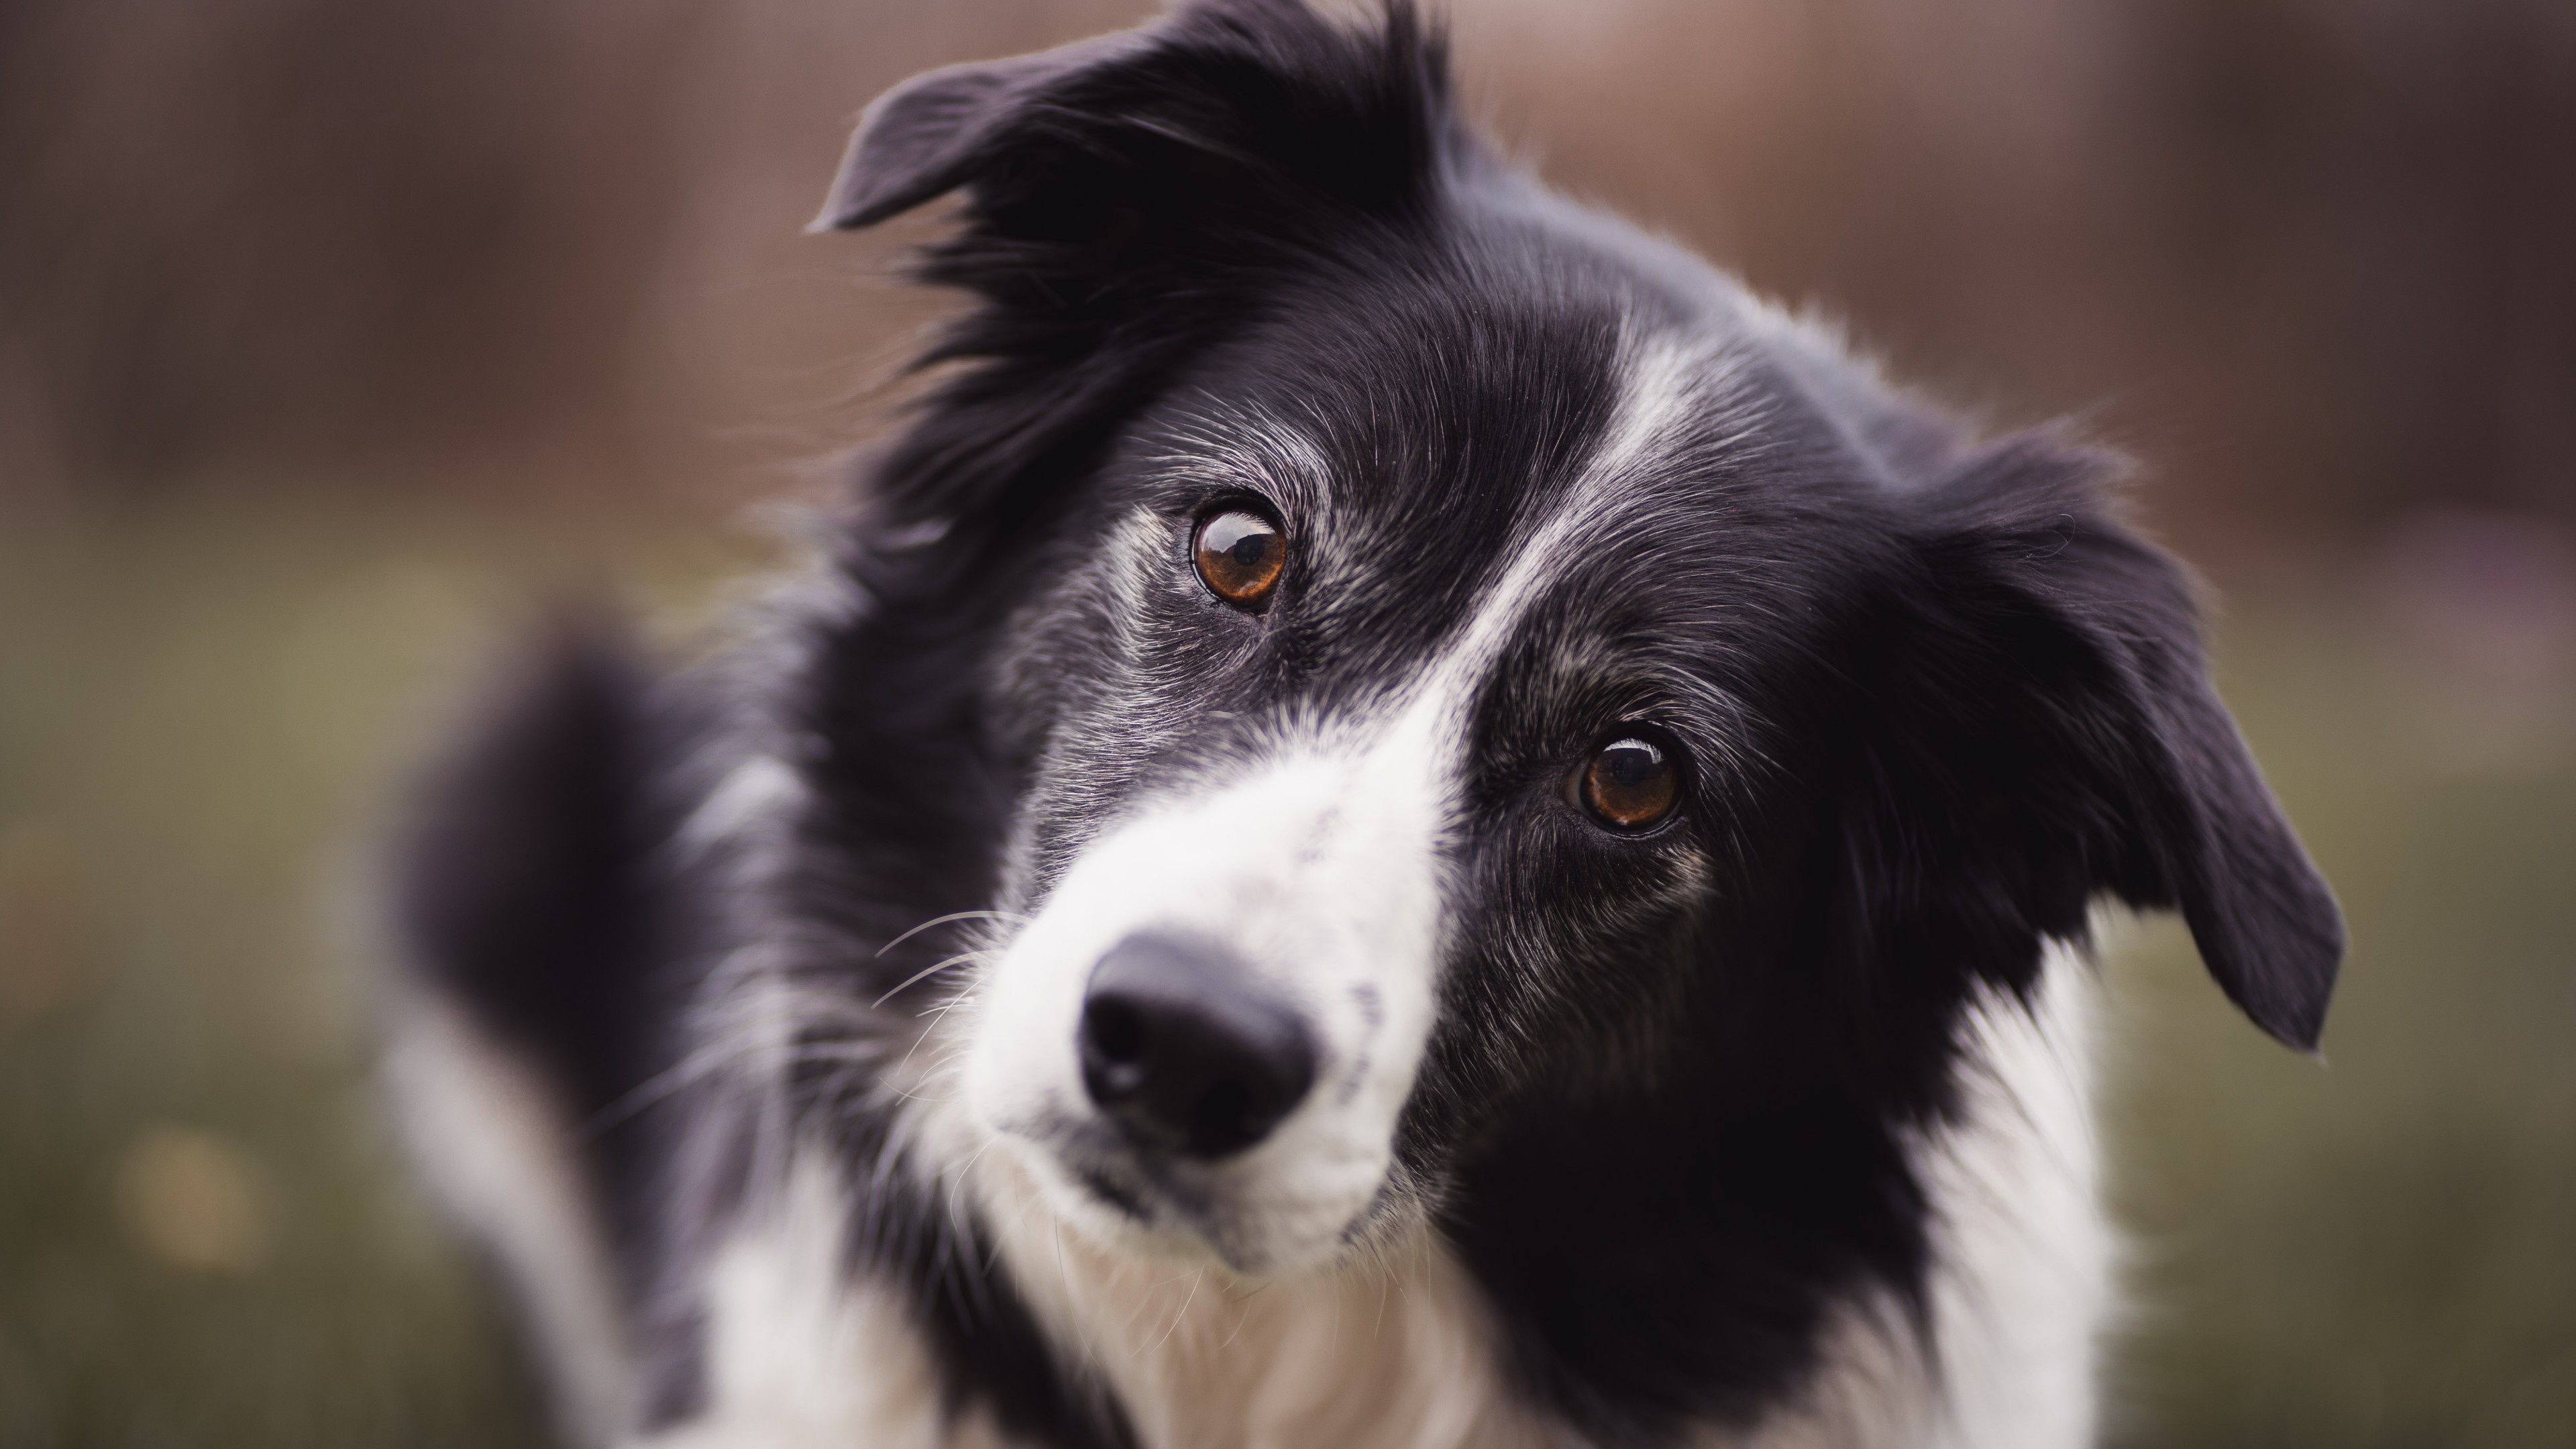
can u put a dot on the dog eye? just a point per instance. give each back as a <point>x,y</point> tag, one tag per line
<point>1240,557</point>
<point>1631,783</point>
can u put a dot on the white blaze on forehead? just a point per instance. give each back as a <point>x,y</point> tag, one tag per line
<point>1668,384</point>
<point>1670,390</point>
<point>1318,866</point>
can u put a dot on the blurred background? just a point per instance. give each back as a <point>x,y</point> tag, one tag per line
<point>336,337</point>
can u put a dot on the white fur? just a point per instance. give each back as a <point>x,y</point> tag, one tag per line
<point>1319,870</point>
<point>802,1355</point>
<point>1391,1352</point>
<point>2025,1275</point>
<point>2022,1256</point>
<point>493,1145</point>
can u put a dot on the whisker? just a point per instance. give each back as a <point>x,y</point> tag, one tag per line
<point>931,1015</point>
<point>1184,1311</point>
<point>951,917</point>
<point>925,974</point>
<point>738,1039</point>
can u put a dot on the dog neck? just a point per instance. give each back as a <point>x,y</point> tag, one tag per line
<point>1395,1349</point>
<point>1399,1347</point>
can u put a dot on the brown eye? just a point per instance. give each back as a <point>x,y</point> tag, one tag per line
<point>1631,783</point>
<point>1240,556</point>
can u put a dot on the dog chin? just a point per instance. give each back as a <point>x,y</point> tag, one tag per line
<point>1167,1217</point>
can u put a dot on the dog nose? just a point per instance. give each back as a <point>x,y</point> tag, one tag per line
<point>1185,1051</point>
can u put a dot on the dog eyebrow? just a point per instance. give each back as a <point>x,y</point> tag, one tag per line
<point>1254,448</point>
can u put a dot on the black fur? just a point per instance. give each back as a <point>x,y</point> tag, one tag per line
<point>1936,697</point>
<point>536,887</point>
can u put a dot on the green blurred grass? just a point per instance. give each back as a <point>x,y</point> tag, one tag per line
<point>199,713</point>
<point>200,708</point>
<point>2381,1251</point>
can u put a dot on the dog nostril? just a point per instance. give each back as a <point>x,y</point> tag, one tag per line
<point>1113,1049</point>
<point>1225,1112</point>
<point>1186,1052</point>
<point>1114,1028</point>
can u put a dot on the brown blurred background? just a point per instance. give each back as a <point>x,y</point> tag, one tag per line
<point>2312,257</point>
<point>332,332</point>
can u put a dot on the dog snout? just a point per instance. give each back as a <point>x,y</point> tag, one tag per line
<point>1186,1051</point>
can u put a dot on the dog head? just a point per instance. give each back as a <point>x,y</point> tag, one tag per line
<point>1433,656</point>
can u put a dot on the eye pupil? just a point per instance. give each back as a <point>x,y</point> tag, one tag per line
<point>1630,784</point>
<point>1240,555</point>
<point>1630,765</point>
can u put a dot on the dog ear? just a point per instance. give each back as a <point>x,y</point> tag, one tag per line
<point>1222,91</point>
<point>2083,748</point>
<point>1125,199</point>
<point>935,132</point>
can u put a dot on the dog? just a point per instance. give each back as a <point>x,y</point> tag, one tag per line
<point>1400,817</point>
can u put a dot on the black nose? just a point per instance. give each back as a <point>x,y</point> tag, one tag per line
<point>1186,1051</point>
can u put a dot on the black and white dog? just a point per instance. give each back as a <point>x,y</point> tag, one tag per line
<point>1401,818</point>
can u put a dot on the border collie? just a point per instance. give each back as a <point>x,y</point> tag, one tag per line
<point>1400,818</point>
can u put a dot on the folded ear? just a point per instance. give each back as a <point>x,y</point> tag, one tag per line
<point>2065,653</point>
<point>1220,91</point>
<point>932,134</point>
<point>1126,199</point>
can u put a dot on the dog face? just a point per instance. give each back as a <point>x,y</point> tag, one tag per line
<point>1343,712</point>
<point>1444,664</point>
